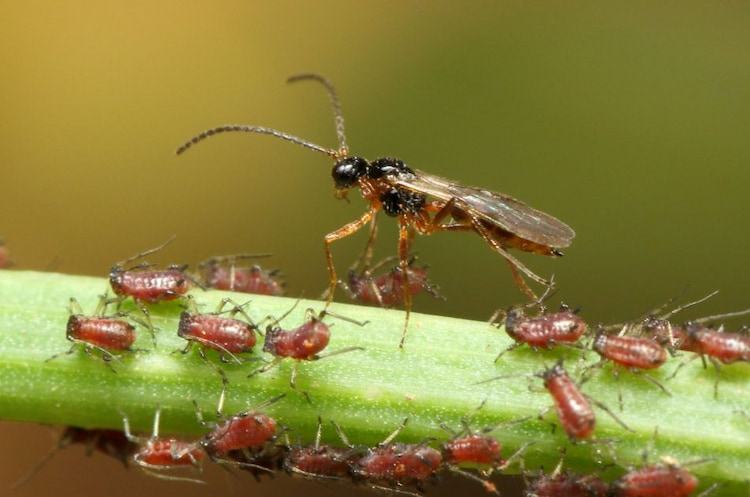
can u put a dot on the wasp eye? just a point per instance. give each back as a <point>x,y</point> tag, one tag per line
<point>347,171</point>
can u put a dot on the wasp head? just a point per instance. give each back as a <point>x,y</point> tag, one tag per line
<point>347,171</point>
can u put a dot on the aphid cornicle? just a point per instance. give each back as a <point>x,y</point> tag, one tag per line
<point>389,185</point>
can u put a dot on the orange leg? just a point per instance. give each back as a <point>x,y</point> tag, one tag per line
<point>404,244</point>
<point>473,223</point>
<point>340,233</point>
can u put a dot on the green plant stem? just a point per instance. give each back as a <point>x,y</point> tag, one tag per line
<point>369,393</point>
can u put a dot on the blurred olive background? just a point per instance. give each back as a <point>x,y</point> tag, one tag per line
<point>631,123</point>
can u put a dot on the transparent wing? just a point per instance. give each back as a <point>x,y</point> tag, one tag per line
<point>500,210</point>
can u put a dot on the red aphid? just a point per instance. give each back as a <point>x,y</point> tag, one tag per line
<point>302,342</point>
<point>630,352</point>
<point>387,289</point>
<point>723,346</point>
<point>223,274</point>
<point>150,286</point>
<point>98,332</point>
<point>165,453</point>
<point>655,481</point>
<point>398,464</point>
<point>576,415</point>
<point>242,431</point>
<point>566,484</point>
<point>225,334</point>
<point>473,448</point>
<point>320,461</point>
<point>101,332</point>
<point>544,331</point>
<point>247,430</point>
<point>156,455</point>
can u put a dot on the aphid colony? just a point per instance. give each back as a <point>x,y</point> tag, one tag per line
<point>228,330</point>
<point>256,442</point>
<point>251,440</point>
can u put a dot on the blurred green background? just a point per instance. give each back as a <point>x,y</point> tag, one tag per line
<point>629,122</point>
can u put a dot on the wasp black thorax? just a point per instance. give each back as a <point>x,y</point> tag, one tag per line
<point>395,200</point>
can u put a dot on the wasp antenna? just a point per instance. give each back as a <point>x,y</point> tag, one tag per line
<point>256,129</point>
<point>343,148</point>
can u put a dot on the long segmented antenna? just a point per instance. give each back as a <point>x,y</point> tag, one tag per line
<point>256,129</point>
<point>337,115</point>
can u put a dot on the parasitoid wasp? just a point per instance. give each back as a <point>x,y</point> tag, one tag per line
<point>422,203</point>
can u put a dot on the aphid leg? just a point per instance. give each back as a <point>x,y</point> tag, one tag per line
<point>342,435</point>
<point>541,415</point>
<point>335,352</point>
<point>266,367</point>
<point>340,233</point>
<point>292,382</point>
<point>126,429</point>
<point>488,485</point>
<point>224,380</point>
<point>709,490</point>
<point>510,347</point>
<point>106,358</point>
<point>516,455</point>
<point>311,315</point>
<point>316,357</point>
<point>606,409</point>
<point>650,379</point>
<point>147,315</point>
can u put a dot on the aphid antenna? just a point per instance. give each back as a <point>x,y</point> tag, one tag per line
<point>502,377</point>
<point>688,305</point>
<point>488,485</point>
<point>277,321</point>
<point>717,317</point>
<point>337,115</point>
<point>231,259</point>
<point>141,255</point>
<point>606,409</point>
<point>654,311</point>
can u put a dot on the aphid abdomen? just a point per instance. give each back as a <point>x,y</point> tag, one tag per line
<point>631,352</point>
<point>106,333</point>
